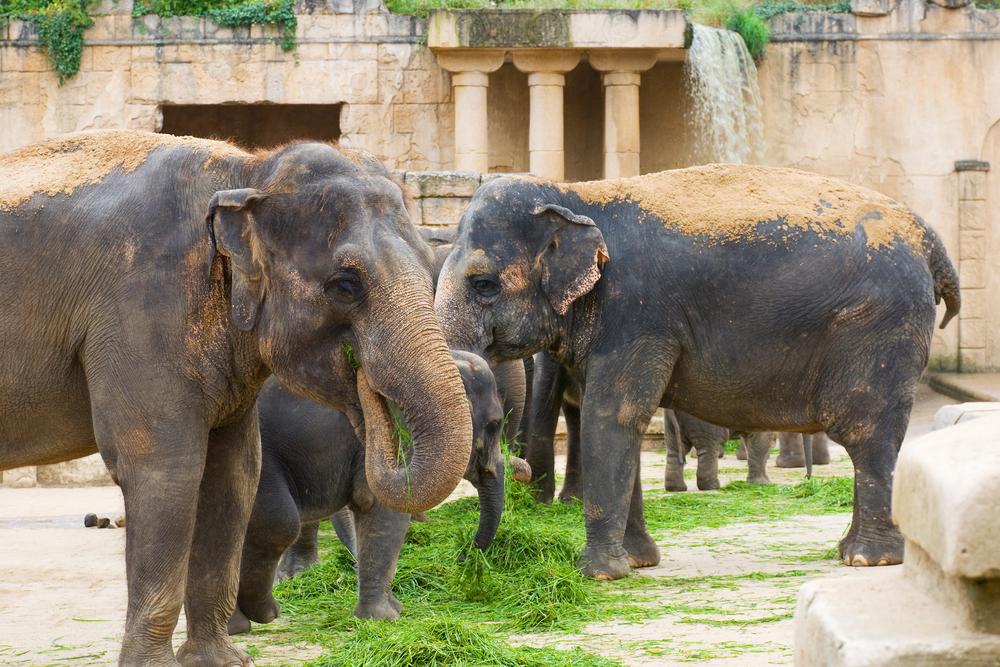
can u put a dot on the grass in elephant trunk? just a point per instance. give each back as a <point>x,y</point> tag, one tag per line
<point>459,613</point>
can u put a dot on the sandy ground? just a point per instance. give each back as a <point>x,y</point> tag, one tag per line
<point>63,594</point>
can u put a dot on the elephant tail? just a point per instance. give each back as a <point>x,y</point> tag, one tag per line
<point>943,272</point>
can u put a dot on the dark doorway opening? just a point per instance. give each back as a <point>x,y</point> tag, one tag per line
<point>253,126</point>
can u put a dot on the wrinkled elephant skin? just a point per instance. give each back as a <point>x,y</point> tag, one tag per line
<point>136,325</point>
<point>720,291</point>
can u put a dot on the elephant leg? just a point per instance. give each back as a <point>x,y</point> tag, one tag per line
<point>302,554</point>
<point>573,482</point>
<point>676,449</point>
<point>790,454</point>
<point>614,422</point>
<point>741,452</point>
<point>273,528</point>
<point>343,525</point>
<point>758,446</point>
<point>546,401</point>
<point>821,449</point>
<point>708,466</point>
<point>381,532</point>
<point>642,550</point>
<point>225,501</point>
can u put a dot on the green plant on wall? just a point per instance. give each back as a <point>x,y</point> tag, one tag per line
<point>60,23</point>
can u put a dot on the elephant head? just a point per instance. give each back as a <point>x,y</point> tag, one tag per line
<point>522,259</point>
<point>327,273</point>
<point>486,464</point>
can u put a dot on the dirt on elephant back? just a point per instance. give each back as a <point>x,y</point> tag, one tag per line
<point>61,164</point>
<point>726,203</point>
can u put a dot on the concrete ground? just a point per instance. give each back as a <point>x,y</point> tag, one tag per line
<point>63,594</point>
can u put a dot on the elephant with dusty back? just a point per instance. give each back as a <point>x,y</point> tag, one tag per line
<point>720,291</point>
<point>151,284</point>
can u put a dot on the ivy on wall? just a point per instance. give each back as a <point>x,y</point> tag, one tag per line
<point>61,23</point>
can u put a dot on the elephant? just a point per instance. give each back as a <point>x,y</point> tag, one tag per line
<point>793,453</point>
<point>151,284</point>
<point>720,291</point>
<point>313,465</point>
<point>683,432</point>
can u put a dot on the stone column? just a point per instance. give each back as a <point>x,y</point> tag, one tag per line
<point>546,79</point>
<point>470,79</point>
<point>972,264</point>
<point>622,73</point>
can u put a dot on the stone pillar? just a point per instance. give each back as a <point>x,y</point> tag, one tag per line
<point>470,79</point>
<point>622,74</point>
<point>972,264</point>
<point>546,79</point>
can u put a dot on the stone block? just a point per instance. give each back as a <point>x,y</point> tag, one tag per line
<point>492,177</point>
<point>86,471</point>
<point>971,185</point>
<point>19,478</point>
<point>944,497</point>
<point>103,28</point>
<point>976,602</point>
<point>875,617</point>
<point>24,59</point>
<point>972,273</point>
<point>444,183</point>
<point>971,332</point>
<point>870,7</point>
<point>972,243</point>
<point>972,214</point>
<point>972,360</point>
<point>442,210</point>
<point>949,415</point>
<point>974,303</point>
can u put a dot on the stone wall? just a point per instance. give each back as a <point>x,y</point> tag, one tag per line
<point>892,102</point>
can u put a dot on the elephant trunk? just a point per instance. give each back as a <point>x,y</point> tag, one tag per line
<point>490,509</point>
<point>511,386</point>
<point>414,370</point>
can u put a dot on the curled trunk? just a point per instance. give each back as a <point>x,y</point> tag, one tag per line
<point>414,369</point>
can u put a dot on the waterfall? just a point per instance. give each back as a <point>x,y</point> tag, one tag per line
<point>726,104</point>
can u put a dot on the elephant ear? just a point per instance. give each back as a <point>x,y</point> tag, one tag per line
<point>572,258</point>
<point>230,225</point>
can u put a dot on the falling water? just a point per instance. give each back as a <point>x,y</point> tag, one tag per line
<point>726,106</point>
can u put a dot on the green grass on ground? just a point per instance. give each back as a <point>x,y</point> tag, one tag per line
<point>462,614</point>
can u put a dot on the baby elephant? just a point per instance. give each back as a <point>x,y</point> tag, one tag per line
<point>313,465</point>
<point>683,432</point>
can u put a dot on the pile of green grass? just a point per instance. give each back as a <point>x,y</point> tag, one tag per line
<point>459,613</point>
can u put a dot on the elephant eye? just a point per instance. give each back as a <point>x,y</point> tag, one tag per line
<point>484,285</point>
<point>344,287</point>
<point>493,428</point>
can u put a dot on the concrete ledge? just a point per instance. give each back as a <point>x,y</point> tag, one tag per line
<point>875,617</point>
<point>984,387</point>
<point>944,497</point>
<point>950,415</point>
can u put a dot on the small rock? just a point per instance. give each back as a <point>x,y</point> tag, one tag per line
<point>90,520</point>
<point>104,522</point>
<point>120,521</point>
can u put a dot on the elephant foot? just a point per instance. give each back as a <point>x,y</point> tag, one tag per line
<point>238,623</point>
<point>293,564</point>
<point>642,550</point>
<point>883,549</point>
<point>708,484</point>
<point>571,492</point>
<point>215,654</point>
<point>603,566</point>
<point>758,479</point>
<point>821,450</point>
<point>673,479</point>
<point>263,610</point>
<point>741,453</point>
<point>543,493</point>
<point>382,610</point>
<point>790,460</point>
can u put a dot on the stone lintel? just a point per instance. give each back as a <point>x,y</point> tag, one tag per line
<point>972,165</point>
<point>944,497</point>
<point>622,60</point>
<point>471,60</point>
<point>545,60</point>
<point>556,28</point>
<point>443,183</point>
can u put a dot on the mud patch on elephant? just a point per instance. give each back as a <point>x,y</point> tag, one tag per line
<point>64,163</point>
<point>727,203</point>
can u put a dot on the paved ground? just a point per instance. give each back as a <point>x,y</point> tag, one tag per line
<point>63,595</point>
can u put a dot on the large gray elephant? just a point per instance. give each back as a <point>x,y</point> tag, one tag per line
<point>720,291</point>
<point>313,465</point>
<point>151,284</point>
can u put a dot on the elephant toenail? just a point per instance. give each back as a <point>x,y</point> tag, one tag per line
<point>859,561</point>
